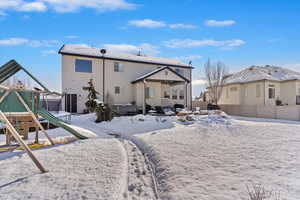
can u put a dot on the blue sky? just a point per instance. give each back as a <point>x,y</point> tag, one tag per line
<point>239,33</point>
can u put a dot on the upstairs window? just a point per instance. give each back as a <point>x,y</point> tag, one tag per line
<point>117,90</point>
<point>118,67</point>
<point>83,66</point>
<point>271,92</point>
<point>174,93</point>
<point>181,94</point>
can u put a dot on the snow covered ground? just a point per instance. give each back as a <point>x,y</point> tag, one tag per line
<point>214,157</point>
<point>90,169</point>
<point>216,161</point>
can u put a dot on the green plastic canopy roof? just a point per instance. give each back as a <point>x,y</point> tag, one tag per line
<point>11,68</point>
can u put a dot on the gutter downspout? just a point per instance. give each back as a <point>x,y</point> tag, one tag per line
<point>191,100</point>
<point>144,98</point>
<point>264,92</point>
<point>103,71</point>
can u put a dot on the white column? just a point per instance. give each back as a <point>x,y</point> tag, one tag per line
<point>144,97</point>
<point>185,95</point>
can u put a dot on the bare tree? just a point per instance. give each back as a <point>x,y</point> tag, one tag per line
<point>214,73</point>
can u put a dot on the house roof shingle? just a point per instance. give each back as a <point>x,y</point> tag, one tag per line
<point>257,73</point>
<point>82,50</point>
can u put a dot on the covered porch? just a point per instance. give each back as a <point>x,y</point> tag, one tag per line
<point>161,87</point>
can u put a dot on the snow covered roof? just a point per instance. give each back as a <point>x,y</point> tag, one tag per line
<point>257,73</point>
<point>83,50</point>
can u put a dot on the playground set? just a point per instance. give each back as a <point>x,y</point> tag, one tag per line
<point>20,109</point>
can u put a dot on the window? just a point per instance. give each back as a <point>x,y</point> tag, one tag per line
<point>118,67</point>
<point>258,91</point>
<point>181,94</point>
<point>166,72</point>
<point>246,91</point>
<point>167,94</point>
<point>271,92</point>
<point>83,66</point>
<point>227,93</point>
<point>233,89</point>
<point>174,93</point>
<point>117,90</point>
<point>150,92</point>
<point>179,71</point>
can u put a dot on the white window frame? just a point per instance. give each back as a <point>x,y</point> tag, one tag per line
<point>274,93</point>
<point>150,92</point>
<point>174,94</point>
<point>181,94</point>
<point>117,90</point>
<point>118,67</point>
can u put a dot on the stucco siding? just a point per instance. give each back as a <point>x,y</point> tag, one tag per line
<point>252,93</point>
<point>288,92</point>
<point>72,82</point>
<point>231,94</point>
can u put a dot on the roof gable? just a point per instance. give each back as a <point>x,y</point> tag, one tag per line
<point>160,74</point>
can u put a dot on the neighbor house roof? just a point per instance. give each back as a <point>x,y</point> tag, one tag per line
<point>145,76</point>
<point>81,50</point>
<point>258,73</point>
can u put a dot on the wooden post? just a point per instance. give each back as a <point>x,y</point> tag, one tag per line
<point>34,117</point>
<point>4,96</point>
<point>15,134</point>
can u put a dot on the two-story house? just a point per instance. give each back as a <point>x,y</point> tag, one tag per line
<point>125,78</point>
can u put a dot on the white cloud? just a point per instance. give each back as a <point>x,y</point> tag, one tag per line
<point>215,23</point>
<point>188,43</point>
<point>21,5</point>
<point>147,23</point>
<point>64,5</point>
<point>32,6</point>
<point>43,43</point>
<point>48,52</point>
<point>182,26</point>
<point>198,82</point>
<point>143,48</point>
<point>189,58</point>
<point>31,43</point>
<point>99,5</point>
<point>13,41</point>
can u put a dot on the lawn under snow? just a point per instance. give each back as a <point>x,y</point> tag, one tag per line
<point>217,161</point>
<point>212,158</point>
<point>90,169</point>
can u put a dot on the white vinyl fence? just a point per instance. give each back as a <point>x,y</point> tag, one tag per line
<point>274,112</point>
